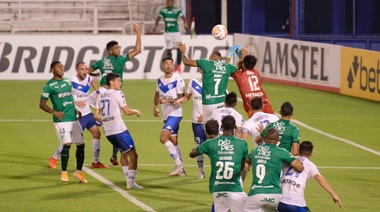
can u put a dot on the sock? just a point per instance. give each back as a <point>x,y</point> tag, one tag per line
<point>58,152</point>
<point>96,149</point>
<point>131,177</point>
<point>125,170</point>
<point>179,56</point>
<point>169,53</point>
<point>114,152</point>
<point>65,157</point>
<point>172,151</point>
<point>179,152</point>
<point>80,156</point>
<point>200,159</point>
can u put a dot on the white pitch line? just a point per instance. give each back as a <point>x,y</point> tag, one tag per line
<point>119,190</point>
<point>293,120</point>
<point>332,136</point>
<point>336,137</point>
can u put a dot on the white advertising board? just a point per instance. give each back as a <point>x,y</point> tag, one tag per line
<point>28,57</point>
<point>294,62</point>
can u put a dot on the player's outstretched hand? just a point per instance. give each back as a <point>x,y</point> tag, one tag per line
<point>235,48</point>
<point>156,112</point>
<point>137,112</point>
<point>181,46</point>
<point>137,28</point>
<point>337,200</point>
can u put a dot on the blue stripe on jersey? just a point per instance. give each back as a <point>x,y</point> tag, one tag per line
<point>196,87</point>
<point>80,87</point>
<point>165,88</point>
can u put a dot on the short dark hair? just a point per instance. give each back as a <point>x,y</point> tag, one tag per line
<point>272,135</point>
<point>54,63</point>
<point>228,122</point>
<point>230,99</point>
<point>212,127</point>
<point>256,103</point>
<point>110,77</point>
<point>167,58</point>
<point>111,44</point>
<point>217,53</point>
<point>250,61</point>
<point>79,63</point>
<point>286,109</point>
<point>306,148</point>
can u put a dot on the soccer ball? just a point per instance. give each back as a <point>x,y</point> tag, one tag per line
<point>219,32</point>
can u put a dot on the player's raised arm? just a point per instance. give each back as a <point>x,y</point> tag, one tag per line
<point>137,49</point>
<point>186,60</point>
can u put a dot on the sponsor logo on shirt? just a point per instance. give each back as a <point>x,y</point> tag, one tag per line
<point>64,94</point>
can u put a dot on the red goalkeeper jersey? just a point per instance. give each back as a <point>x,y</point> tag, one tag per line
<point>249,84</point>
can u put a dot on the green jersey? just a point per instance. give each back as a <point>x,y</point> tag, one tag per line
<point>111,64</point>
<point>215,80</point>
<point>59,92</point>
<point>266,168</point>
<point>289,133</point>
<point>226,155</point>
<point>170,16</point>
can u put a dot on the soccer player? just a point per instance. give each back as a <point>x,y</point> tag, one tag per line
<point>114,63</point>
<point>194,92</point>
<point>81,83</point>
<point>251,126</point>
<point>294,183</point>
<point>215,79</point>
<point>227,155</point>
<point>289,133</point>
<point>170,87</point>
<point>111,105</point>
<point>229,109</point>
<point>248,81</point>
<point>67,127</point>
<point>172,34</point>
<point>266,161</point>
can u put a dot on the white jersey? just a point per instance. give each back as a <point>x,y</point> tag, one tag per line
<point>250,126</point>
<point>170,89</point>
<point>293,183</point>
<point>195,89</point>
<point>80,92</point>
<point>220,113</point>
<point>110,103</point>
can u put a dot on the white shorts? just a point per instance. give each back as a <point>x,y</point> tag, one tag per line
<point>224,201</point>
<point>208,109</point>
<point>69,132</point>
<point>171,38</point>
<point>262,202</point>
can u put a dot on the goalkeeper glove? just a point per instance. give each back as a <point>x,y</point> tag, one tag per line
<point>232,50</point>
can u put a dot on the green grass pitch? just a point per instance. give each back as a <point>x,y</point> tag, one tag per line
<point>28,140</point>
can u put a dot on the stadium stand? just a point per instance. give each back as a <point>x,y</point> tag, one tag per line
<point>77,16</point>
